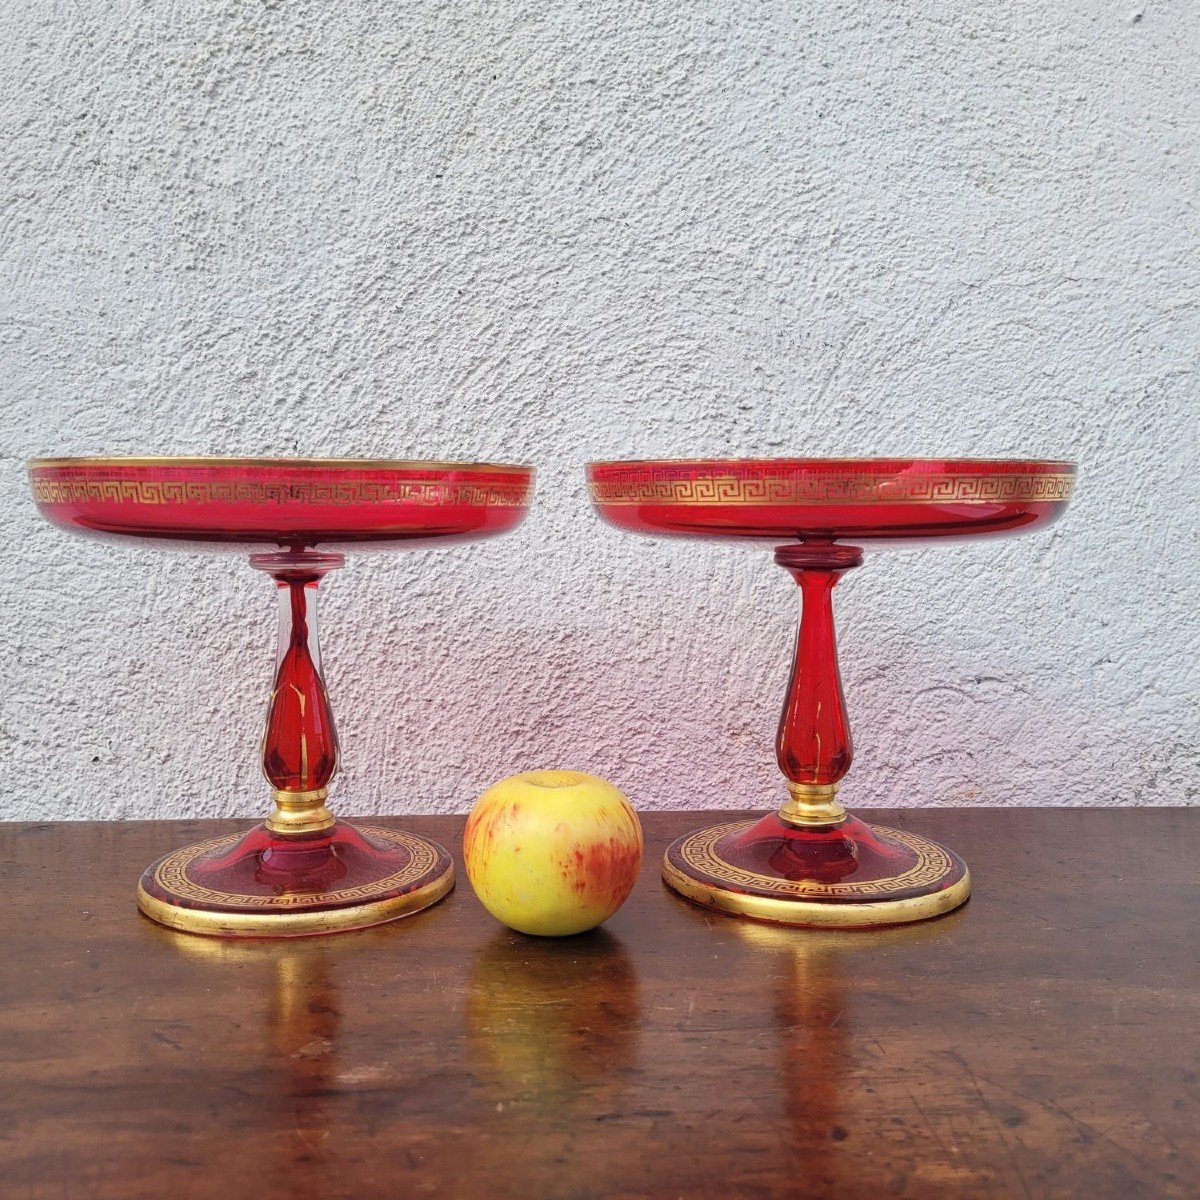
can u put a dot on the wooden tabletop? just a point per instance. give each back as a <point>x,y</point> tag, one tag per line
<point>1041,1042</point>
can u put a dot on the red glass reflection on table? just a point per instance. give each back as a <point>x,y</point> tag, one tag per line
<point>302,871</point>
<point>812,863</point>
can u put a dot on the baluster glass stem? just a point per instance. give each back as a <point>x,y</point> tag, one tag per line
<point>300,747</point>
<point>814,747</point>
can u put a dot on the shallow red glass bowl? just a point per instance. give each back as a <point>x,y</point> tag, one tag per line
<point>891,499</point>
<point>301,502</point>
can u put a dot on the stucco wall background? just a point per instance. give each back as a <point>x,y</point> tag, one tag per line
<point>549,232</point>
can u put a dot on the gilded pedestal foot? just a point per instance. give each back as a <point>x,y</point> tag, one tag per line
<point>850,875</point>
<point>261,885</point>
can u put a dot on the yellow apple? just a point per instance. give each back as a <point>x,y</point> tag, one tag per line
<point>552,852</point>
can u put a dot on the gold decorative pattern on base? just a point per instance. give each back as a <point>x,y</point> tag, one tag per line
<point>711,881</point>
<point>286,915</point>
<point>933,863</point>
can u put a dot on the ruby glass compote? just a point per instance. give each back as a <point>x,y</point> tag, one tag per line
<point>811,863</point>
<point>302,871</point>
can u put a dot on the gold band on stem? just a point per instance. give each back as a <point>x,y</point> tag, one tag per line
<point>300,812</point>
<point>812,804</point>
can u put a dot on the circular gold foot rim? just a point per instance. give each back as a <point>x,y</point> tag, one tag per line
<point>302,924</point>
<point>817,913</point>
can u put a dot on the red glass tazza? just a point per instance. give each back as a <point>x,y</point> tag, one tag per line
<point>811,863</point>
<point>302,871</point>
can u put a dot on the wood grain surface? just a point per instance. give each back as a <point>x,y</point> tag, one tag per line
<point>1041,1042</point>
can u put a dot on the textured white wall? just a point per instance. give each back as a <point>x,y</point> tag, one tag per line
<point>555,231</point>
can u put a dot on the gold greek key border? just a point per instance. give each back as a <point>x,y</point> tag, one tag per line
<point>816,914</point>
<point>171,875</point>
<point>835,487</point>
<point>223,923</point>
<point>427,493</point>
<point>933,864</point>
